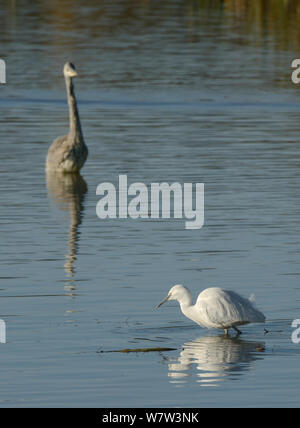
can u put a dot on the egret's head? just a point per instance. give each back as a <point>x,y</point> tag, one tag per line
<point>69,70</point>
<point>175,293</point>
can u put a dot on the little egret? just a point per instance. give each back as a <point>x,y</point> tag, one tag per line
<point>215,308</point>
<point>68,153</point>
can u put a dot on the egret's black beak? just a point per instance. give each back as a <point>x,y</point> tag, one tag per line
<point>164,301</point>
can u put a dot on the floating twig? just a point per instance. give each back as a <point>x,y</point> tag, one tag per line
<point>127,350</point>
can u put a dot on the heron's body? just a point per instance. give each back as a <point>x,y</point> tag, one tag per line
<point>68,153</point>
<point>216,308</point>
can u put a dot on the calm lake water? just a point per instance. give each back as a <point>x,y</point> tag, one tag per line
<point>180,92</point>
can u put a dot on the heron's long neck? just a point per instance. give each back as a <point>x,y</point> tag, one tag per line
<point>75,127</point>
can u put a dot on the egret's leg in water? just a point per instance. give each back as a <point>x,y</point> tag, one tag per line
<point>237,330</point>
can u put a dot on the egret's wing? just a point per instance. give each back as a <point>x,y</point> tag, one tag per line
<point>222,308</point>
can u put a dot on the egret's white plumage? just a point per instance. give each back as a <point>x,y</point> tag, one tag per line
<point>215,308</point>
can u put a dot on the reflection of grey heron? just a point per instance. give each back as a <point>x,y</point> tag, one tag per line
<point>68,153</point>
<point>215,358</point>
<point>215,308</point>
<point>68,191</point>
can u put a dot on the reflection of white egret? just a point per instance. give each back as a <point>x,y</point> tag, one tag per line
<point>214,357</point>
<point>215,308</point>
<point>68,153</point>
<point>68,191</point>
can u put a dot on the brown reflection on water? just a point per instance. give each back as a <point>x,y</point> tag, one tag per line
<point>271,23</point>
<point>278,19</point>
<point>126,42</point>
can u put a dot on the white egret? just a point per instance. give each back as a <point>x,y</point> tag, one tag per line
<point>215,308</point>
<point>68,153</point>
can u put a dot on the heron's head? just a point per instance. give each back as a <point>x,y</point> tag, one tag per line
<point>69,70</point>
<point>175,293</point>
